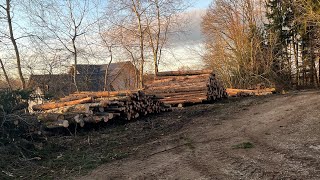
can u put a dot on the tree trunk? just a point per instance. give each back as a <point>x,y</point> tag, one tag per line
<point>141,38</point>
<point>142,55</point>
<point>5,74</point>
<point>156,59</point>
<point>314,78</point>
<point>13,40</point>
<point>106,85</point>
<point>75,56</point>
<point>295,52</point>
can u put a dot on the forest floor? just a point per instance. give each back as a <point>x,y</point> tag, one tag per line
<point>267,137</point>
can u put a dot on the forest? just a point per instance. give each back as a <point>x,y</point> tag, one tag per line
<point>275,42</point>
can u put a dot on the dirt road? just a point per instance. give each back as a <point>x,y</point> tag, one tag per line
<point>283,129</point>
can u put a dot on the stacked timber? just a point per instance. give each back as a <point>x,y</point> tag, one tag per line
<point>215,89</point>
<point>93,107</point>
<point>179,88</point>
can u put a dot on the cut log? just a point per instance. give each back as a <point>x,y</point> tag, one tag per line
<point>176,90</point>
<point>48,106</point>
<point>79,108</point>
<point>247,92</point>
<point>50,117</point>
<point>56,124</point>
<point>184,73</point>
<point>105,93</point>
<point>185,100</point>
<point>169,79</point>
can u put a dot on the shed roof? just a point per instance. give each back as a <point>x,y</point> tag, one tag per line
<point>114,68</point>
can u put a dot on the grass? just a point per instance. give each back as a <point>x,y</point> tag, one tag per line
<point>243,145</point>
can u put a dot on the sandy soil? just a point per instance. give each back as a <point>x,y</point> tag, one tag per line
<point>284,129</point>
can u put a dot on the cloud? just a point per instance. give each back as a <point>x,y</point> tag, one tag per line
<point>185,49</point>
<point>191,29</point>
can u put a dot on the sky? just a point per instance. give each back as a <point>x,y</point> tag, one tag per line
<point>186,51</point>
<point>202,3</point>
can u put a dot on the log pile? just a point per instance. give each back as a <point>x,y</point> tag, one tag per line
<point>179,88</point>
<point>94,107</point>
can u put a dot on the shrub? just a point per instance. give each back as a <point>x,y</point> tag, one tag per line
<point>11,100</point>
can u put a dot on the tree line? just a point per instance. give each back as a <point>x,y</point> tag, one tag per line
<point>48,36</point>
<point>274,42</point>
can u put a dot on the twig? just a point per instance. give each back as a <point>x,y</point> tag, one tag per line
<point>70,132</point>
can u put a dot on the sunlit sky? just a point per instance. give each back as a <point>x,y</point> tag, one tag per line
<point>184,51</point>
<point>202,3</point>
<point>187,51</point>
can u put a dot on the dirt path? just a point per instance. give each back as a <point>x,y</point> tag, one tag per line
<point>285,132</point>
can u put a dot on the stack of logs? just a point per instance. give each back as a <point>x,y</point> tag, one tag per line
<point>180,88</point>
<point>94,107</point>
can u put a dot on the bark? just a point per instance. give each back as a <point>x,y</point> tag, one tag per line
<point>155,43</point>
<point>314,78</point>
<point>296,51</point>
<point>75,56</point>
<point>141,43</point>
<point>106,85</point>
<point>156,59</point>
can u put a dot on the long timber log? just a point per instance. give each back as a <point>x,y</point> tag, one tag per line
<point>184,73</point>
<point>49,106</point>
<point>247,92</point>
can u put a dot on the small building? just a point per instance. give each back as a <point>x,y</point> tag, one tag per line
<point>116,76</point>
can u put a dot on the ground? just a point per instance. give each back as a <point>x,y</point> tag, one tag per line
<point>283,130</point>
<point>269,137</point>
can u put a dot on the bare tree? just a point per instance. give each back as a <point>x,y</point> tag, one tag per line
<point>66,23</point>
<point>234,42</point>
<point>163,18</point>
<point>107,38</point>
<point>138,10</point>
<point>148,23</point>
<point>8,17</point>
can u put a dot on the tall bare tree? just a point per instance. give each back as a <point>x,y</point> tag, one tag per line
<point>7,7</point>
<point>149,23</point>
<point>163,18</point>
<point>66,23</point>
<point>138,10</point>
<point>234,41</point>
